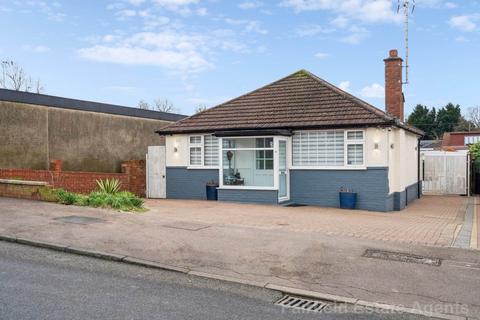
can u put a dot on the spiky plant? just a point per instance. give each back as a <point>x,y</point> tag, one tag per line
<point>109,186</point>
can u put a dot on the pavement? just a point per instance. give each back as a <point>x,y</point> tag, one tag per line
<point>276,256</point>
<point>42,284</point>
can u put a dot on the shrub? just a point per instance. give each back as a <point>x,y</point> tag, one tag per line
<point>66,197</point>
<point>109,186</point>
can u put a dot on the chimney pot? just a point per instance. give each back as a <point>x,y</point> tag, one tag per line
<point>393,53</point>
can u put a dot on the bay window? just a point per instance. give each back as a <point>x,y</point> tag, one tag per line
<point>247,162</point>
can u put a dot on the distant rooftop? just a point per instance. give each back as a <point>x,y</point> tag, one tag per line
<point>74,104</point>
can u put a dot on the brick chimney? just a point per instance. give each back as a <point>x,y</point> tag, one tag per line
<point>394,99</point>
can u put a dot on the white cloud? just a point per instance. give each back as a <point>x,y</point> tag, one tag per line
<point>465,23</point>
<point>249,25</point>
<point>171,50</point>
<point>321,55</point>
<point>340,22</point>
<point>462,39</point>
<point>451,5</point>
<point>309,30</point>
<point>250,5</point>
<point>41,49</point>
<point>344,85</point>
<point>202,12</point>
<point>363,10</point>
<point>373,91</point>
<point>355,36</point>
<point>126,13</point>
<point>136,2</point>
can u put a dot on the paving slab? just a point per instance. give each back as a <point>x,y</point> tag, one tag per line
<point>253,252</point>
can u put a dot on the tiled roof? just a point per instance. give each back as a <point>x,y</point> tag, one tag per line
<point>300,100</point>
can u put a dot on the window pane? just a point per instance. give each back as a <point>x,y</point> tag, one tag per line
<point>240,168</point>
<point>355,154</point>
<point>355,135</point>
<point>268,142</point>
<point>195,139</point>
<point>318,148</point>
<point>211,150</point>
<point>269,164</point>
<point>195,156</point>
<point>260,142</point>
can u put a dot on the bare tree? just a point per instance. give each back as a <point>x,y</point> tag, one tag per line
<point>163,105</point>
<point>474,116</point>
<point>200,108</point>
<point>14,77</point>
<point>142,104</point>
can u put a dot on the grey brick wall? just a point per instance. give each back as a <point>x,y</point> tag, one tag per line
<point>248,196</point>
<point>321,187</point>
<point>183,183</point>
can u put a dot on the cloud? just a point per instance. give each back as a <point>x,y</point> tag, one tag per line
<point>344,85</point>
<point>363,10</point>
<point>373,91</point>
<point>340,22</point>
<point>310,30</point>
<point>37,49</point>
<point>249,25</point>
<point>451,5</point>
<point>321,55</point>
<point>355,36</point>
<point>179,6</point>
<point>250,5</point>
<point>171,50</point>
<point>465,23</point>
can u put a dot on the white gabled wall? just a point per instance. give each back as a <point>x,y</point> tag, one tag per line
<point>376,157</point>
<point>403,161</point>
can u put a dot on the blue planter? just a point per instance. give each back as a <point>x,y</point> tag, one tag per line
<point>212,193</point>
<point>348,200</point>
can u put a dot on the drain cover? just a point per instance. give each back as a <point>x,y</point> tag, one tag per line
<point>79,219</point>
<point>402,257</point>
<point>300,303</point>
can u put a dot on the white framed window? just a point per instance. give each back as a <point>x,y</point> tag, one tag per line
<point>328,149</point>
<point>355,145</point>
<point>247,163</point>
<point>203,151</point>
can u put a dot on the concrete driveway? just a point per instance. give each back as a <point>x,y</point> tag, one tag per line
<point>431,220</point>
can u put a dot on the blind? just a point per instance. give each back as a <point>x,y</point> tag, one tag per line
<point>355,154</point>
<point>318,148</point>
<point>210,144</point>
<point>195,156</point>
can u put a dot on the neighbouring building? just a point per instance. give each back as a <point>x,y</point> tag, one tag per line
<point>299,140</point>
<point>87,136</point>
<point>459,140</point>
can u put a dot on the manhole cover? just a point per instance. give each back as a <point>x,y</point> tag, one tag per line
<point>304,304</point>
<point>79,219</point>
<point>190,226</point>
<point>402,257</point>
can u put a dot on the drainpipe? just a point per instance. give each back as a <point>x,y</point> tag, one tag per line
<point>418,169</point>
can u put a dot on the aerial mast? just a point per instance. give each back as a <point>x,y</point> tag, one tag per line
<point>404,6</point>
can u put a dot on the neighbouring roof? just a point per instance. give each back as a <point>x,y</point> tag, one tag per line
<point>300,100</point>
<point>430,144</point>
<point>73,104</point>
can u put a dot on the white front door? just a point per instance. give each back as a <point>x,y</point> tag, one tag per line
<point>283,174</point>
<point>156,180</point>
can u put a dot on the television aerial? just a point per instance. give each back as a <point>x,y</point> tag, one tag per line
<point>406,7</point>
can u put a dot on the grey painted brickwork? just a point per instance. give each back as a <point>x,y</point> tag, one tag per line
<point>248,196</point>
<point>399,200</point>
<point>321,187</point>
<point>183,183</point>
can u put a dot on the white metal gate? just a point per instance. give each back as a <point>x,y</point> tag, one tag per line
<point>156,183</point>
<point>445,172</point>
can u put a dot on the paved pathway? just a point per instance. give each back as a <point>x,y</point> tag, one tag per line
<point>432,220</point>
<point>267,255</point>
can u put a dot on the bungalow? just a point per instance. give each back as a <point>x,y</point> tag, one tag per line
<point>298,140</point>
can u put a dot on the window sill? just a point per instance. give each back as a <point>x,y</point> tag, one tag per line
<point>202,168</point>
<point>246,188</point>
<point>328,168</point>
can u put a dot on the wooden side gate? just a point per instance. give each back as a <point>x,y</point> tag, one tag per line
<point>156,173</point>
<point>446,172</point>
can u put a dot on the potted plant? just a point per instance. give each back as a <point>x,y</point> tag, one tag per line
<point>211,188</point>
<point>348,198</point>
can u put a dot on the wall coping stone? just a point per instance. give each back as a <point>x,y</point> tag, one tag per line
<point>23,182</point>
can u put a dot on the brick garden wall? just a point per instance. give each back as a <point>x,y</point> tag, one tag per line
<point>132,177</point>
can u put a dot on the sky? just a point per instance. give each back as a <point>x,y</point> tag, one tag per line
<point>204,52</point>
